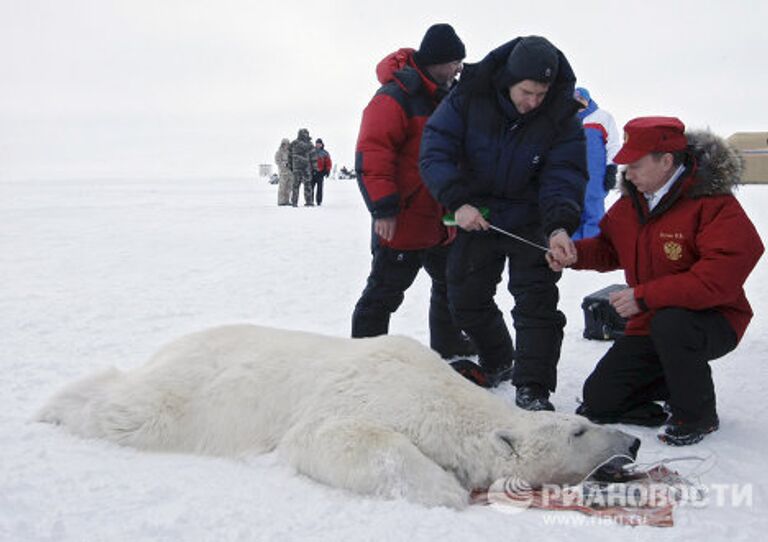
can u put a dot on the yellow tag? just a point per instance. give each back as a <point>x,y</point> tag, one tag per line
<point>673,250</point>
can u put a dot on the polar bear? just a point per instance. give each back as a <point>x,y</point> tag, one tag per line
<point>382,416</point>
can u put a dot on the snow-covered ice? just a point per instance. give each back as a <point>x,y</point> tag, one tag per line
<point>99,273</point>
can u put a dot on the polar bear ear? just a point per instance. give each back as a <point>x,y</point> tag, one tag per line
<point>505,442</point>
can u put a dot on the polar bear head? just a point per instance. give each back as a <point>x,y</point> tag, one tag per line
<point>553,448</point>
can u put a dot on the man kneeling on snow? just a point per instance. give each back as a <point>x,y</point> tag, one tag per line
<point>686,247</point>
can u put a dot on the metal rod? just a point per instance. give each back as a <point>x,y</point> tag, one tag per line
<point>517,237</point>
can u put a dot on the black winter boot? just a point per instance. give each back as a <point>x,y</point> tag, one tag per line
<point>471,371</point>
<point>647,414</point>
<point>681,433</point>
<point>500,375</point>
<point>533,397</point>
<point>461,348</point>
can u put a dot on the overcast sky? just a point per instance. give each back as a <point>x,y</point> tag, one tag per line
<point>169,88</point>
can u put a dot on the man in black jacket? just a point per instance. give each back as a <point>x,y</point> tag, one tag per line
<point>507,141</point>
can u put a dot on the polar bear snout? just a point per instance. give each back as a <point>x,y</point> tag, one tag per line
<point>613,470</point>
<point>631,445</point>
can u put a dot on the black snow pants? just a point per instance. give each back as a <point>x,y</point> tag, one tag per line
<point>671,365</point>
<point>392,273</point>
<point>475,267</point>
<point>317,183</point>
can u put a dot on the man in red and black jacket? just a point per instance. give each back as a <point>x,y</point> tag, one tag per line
<point>321,168</point>
<point>408,232</point>
<point>686,247</point>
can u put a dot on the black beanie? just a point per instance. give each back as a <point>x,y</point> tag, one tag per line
<point>318,140</point>
<point>440,45</point>
<point>533,58</point>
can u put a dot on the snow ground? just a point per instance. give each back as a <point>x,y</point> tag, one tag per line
<point>102,273</point>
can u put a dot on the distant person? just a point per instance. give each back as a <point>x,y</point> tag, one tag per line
<point>408,233</point>
<point>507,139</point>
<point>301,166</point>
<point>285,183</point>
<point>321,168</point>
<point>686,247</point>
<point>602,145</point>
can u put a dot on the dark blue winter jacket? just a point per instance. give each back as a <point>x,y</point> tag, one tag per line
<point>527,169</point>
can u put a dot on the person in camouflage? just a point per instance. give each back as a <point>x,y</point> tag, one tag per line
<point>283,161</point>
<point>301,148</point>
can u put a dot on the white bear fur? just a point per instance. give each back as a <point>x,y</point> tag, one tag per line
<point>383,416</point>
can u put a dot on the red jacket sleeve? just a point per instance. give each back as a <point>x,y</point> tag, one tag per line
<point>598,253</point>
<point>382,132</point>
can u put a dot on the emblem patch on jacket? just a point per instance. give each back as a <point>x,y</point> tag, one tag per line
<point>673,250</point>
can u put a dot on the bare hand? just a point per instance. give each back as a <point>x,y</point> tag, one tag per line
<point>624,302</point>
<point>562,252</point>
<point>469,218</point>
<point>385,227</point>
<point>554,265</point>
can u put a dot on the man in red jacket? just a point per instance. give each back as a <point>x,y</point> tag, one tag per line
<point>321,168</point>
<point>686,247</point>
<point>408,232</point>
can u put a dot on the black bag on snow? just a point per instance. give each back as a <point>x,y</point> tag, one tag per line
<point>601,321</point>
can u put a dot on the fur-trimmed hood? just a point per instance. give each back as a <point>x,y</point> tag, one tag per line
<point>717,166</point>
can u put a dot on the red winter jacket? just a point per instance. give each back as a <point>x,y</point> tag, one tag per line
<point>322,163</point>
<point>387,157</point>
<point>695,250</point>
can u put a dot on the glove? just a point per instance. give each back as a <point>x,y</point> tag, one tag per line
<point>325,174</point>
<point>609,181</point>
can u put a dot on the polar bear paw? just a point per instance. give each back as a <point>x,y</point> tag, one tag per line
<point>370,460</point>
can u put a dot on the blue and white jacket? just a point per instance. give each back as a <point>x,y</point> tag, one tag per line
<point>602,145</point>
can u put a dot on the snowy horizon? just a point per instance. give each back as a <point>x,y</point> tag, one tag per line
<point>209,88</point>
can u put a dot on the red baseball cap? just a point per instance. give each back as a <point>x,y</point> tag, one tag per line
<point>644,135</point>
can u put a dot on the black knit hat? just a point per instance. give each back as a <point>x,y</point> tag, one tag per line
<point>440,45</point>
<point>533,58</point>
<point>318,140</point>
